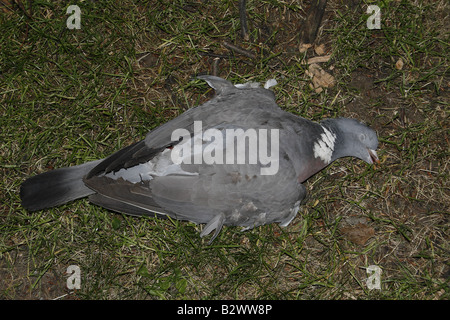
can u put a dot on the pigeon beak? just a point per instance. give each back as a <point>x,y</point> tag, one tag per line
<point>373,156</point>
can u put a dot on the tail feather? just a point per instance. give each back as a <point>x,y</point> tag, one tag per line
<point>56,187</point>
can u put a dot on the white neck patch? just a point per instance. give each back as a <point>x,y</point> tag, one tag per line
<point>324,146</point>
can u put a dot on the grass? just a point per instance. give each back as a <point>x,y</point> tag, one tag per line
<point>70,96</point>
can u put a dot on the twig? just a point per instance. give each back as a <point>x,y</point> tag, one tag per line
<point>22,8</point>
<point>215,67</point>
<point>239,50</point>
<point>319,59</point>
<point>243,19</point>
<point>214,55</point>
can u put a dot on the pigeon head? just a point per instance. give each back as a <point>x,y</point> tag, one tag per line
<point>354,139</point>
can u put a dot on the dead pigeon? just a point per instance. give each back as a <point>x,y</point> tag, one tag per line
<point>236,160</point>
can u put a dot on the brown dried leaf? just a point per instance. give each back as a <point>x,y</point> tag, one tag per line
<point>320,49</point>
<point>358,234</point>
<point>303,47</point>
<point>399,64</point>
<point>320,78</point>
<point>319,59</point>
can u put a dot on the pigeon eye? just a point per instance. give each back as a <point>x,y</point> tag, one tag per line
<point>362,137</point>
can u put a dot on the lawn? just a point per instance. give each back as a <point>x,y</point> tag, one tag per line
<point>68,96</point>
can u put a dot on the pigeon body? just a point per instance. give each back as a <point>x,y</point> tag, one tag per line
<point>236,160</point>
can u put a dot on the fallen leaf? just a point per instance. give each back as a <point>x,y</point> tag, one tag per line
<point>399,64</point>
<point>319,59</point>
<point>303,47</point>
<point>147,60</point>
<point>320,49</point>
<point>320,78</point>
<point>358,234</point>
